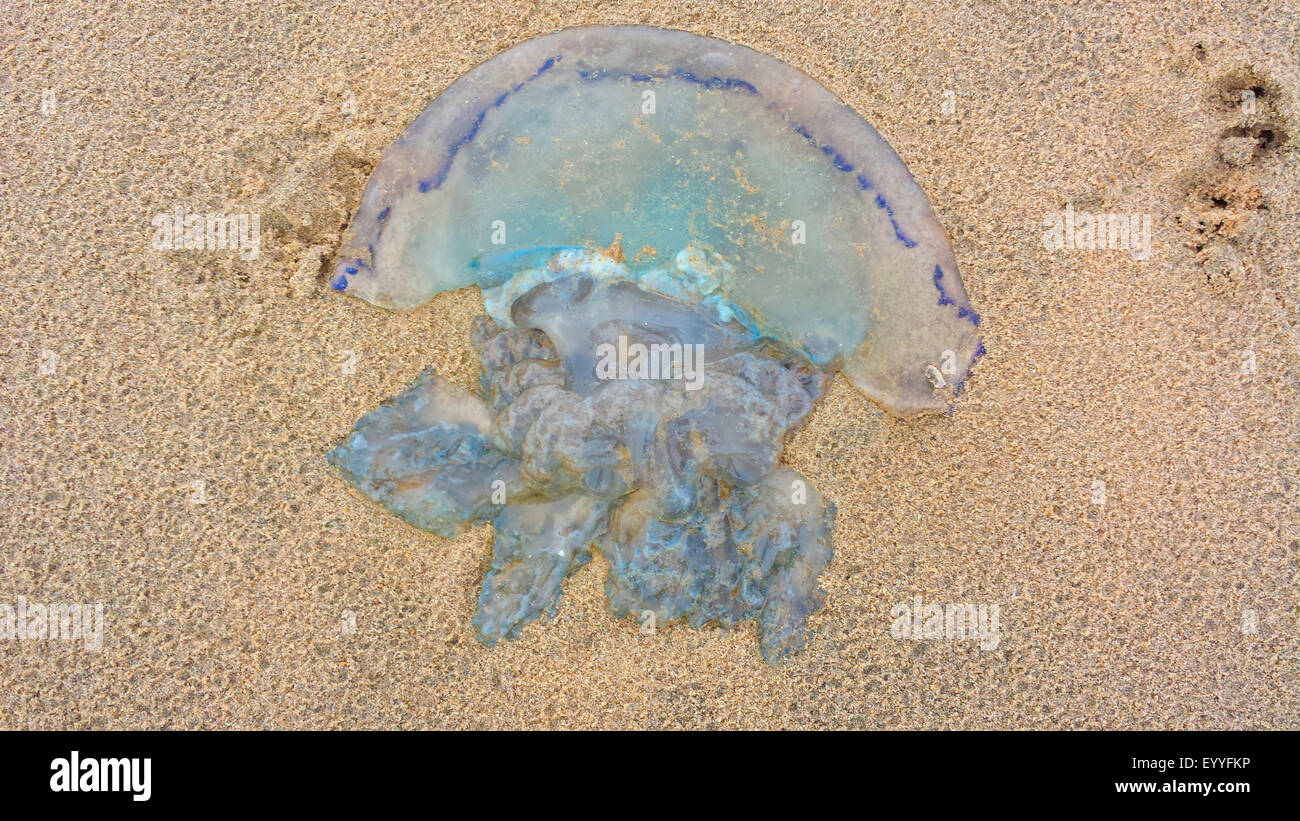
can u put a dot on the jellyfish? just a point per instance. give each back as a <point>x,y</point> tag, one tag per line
<point>679,243</point>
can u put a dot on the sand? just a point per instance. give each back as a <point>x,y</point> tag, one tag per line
<point>1166,598</point>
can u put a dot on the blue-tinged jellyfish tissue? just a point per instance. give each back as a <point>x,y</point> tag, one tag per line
<point>634,397</point>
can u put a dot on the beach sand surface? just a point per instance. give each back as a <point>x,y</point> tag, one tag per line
<point>1121,476</point>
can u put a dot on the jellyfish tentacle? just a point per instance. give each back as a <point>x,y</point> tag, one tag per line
<point>535,548</point>
<point>425,456</point>
<point>785,526</point>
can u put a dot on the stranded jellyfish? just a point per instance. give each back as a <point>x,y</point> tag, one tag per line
<point>679,242</point>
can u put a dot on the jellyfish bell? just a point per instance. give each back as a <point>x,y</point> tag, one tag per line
<point>668,140</point>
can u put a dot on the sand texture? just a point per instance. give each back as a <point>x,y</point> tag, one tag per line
<point>1121,476</point>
